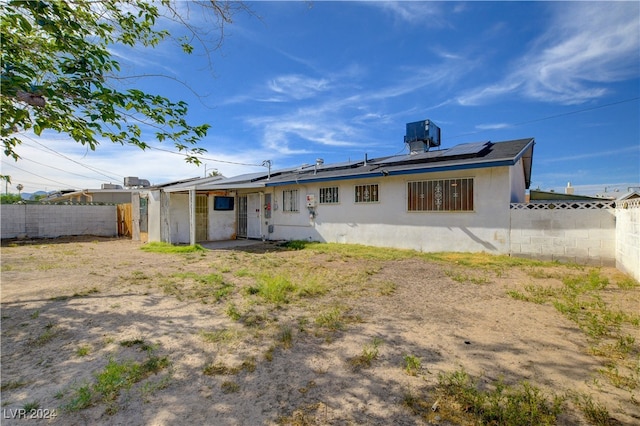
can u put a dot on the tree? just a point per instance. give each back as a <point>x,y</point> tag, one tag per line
<point>58,73</point>
<point>10,198</point>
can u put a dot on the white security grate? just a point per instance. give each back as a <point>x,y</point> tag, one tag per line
<point>565,205</point>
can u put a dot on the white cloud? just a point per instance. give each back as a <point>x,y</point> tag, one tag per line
<point>415,12</point>
<point>45,167</point>
<point>298,86</point>
<point>586,46</point>
<point>493,126</point>
<point>596,154</point>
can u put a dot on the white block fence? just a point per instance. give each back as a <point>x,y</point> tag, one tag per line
<point>603,233</point>
<point>628,237</point>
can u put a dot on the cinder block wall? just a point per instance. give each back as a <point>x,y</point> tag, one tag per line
<point>13,218</point>
<point>628,237</point>
<point>50,221</point>
<point>568,234</point>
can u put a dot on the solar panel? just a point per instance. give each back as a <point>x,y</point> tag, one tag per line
<point>411,157</point>
<point>466,149</point>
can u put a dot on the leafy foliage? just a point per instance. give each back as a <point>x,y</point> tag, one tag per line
<point>58,72</point>
<point>10,198</point>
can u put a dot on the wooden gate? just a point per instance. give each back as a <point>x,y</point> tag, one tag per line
<point>125,228</point>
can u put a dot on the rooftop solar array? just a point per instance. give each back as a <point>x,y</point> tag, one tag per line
<point>410,157</point>
<point>466,149</point>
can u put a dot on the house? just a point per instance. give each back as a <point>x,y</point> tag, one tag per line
<point>107,194</point>
<point>432,199</point>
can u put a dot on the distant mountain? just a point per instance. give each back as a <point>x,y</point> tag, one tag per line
<point>32,195</point>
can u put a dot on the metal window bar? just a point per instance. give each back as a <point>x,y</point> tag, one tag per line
<point>242,217</point>
<point>290,200</point>
<point>366,193</point>
<point>329,195</point>
<point>440,195</point>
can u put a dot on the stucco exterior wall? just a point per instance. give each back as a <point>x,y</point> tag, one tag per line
<point>222,223</point>
<point>518,184</point>
<point>154,211</point>
<point>50,221</point>
<point>388,223</point>
<point>179,218</point>
<point>628,237</point>
<point>568,234</point>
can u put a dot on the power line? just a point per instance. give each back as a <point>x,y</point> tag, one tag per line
<point>564,114</point>
<point>41,177</point>
<point>62,170</point>
<point>93,169</point>
<point>199,157</point>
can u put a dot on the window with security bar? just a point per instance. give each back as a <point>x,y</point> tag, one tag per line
<point>329,195</point>
<point>290,201</point>
<point>452,195</point>
<point>366,193</point>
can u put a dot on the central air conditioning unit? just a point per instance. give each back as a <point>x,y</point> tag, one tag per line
<point>422,135</point>
<point>131,181</point>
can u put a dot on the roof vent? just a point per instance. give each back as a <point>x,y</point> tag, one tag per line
<point>111,186</point>
<point>422,135</point>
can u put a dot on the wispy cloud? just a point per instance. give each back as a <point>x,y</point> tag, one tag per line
<point>586,45</point>
<point>298,86</point>
<point>415,12</point>
<point>597,154</point>
<point>494,126</point>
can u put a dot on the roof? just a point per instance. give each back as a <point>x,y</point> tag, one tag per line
<point>459,157</point>
<point>629,195</point>
<point>463,156</point>
<point>57,196</point>
<point>537,195</point>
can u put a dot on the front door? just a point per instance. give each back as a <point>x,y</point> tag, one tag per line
<point>253,216</point>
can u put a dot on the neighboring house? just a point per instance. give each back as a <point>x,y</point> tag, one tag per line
<point>108,194</point>
<point>631,195</point>
<point>454,199</point>
<point>102,196</point>
<point>546,196</point>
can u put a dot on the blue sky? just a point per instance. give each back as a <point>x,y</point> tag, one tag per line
<point>296,81</point>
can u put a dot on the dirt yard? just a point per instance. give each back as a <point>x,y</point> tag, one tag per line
<point>97,331</point>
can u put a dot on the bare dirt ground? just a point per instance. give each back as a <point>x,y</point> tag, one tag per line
<point>69,307</point>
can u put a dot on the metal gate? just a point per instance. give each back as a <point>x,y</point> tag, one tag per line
<point>242,217</point>
<point>202,218</point>
<point>144,220</point>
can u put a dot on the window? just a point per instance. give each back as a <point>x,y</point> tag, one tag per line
<point>367,193</point>
<point>290,201</point>
<point>223,203</point>
<point>440,195</point>
<point>329,195</point>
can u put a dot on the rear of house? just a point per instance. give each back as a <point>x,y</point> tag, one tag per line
<point>454,199</point>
